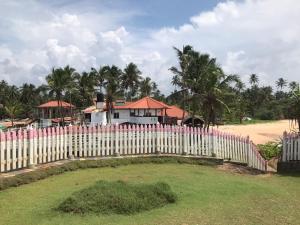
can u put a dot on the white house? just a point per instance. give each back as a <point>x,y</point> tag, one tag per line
<point>144,111</point>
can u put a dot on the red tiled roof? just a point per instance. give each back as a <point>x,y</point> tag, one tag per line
<point>90,109</point>
<point>147,103</point>
<point>124,106</point>
<point>144,103</point>
<point>174,111</point>
<point>56,104</point>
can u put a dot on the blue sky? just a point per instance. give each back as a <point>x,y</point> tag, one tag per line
<point>149,13</point>
<point>246,36</point>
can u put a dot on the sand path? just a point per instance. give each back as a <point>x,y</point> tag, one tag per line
<point>260,133</point>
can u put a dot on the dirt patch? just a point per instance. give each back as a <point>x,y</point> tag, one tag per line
<point>237,168</point>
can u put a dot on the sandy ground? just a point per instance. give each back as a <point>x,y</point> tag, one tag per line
<point>260,133</point>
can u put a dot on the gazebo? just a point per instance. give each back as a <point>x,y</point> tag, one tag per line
<point>50,111</point>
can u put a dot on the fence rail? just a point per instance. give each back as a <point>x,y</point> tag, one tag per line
<point>27,148</point>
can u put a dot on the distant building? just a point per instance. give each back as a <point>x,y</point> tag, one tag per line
<point>49,112</point>
<point>144,111</point>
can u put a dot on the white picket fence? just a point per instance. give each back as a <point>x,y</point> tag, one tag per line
<point>290,147</point>
<point>27,148</point>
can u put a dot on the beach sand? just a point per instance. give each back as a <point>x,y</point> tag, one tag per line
<point>260,133</point>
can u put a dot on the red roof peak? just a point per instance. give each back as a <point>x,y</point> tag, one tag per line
<point>147,103</point>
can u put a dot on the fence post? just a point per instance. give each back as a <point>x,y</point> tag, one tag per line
<point>2,148</point>
<point>248,150</point>
<point>284,145</point>
<point>158,139</point>
<point>31,150</point>
<point>213,144</point>
<point>185,140</point>
<point>117,153</point>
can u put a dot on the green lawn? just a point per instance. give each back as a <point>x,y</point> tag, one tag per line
<point>205,196</point>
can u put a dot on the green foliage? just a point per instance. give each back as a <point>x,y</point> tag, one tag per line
<point>205,83</point>
<point>118,197</point>
<point>33,176</point>
<point>270,150</point>
<point>266,114</point>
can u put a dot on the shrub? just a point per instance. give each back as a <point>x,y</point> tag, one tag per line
<point>266,115</point>
<point>118,198</point>
<point>270,150</point>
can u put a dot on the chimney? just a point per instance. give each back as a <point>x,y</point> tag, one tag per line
<point>100,101</point>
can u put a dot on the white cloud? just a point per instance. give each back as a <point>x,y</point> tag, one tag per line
<point>250,36</point>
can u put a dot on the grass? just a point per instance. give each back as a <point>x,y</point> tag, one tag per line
<point>205,196</point>
<point>26,178</point>
<point>118,197</point>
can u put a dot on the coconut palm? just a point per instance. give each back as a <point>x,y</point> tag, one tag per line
<point>293,85</point>
<point>281,83</point>
<point>28,94</point>
<point>180,74</point>
<point>209,86</point>
<point>295,106</point>
<point>130,79</point>
<point>253,79</point>
<point>146,86</point>
<point>60,80</point>
<point>99,76</point>
<point>85,84</point>
<point>112,75</point>
<point>204,83</point>
<point>13,109</point>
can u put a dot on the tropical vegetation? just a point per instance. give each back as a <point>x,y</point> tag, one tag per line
<point>201,87</point>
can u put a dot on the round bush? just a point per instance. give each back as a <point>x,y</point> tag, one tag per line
<point>118,197</point>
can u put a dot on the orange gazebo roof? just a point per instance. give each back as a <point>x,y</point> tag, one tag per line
<point>56,104</point>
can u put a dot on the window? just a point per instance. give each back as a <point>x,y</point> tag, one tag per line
<point>116,115</point>
<point>132,113</point>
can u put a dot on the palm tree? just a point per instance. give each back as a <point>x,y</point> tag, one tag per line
<point>130,79</point>
<point>293,85</point>
<point>146,86</point>
<point>58,82</point>
<point>28,94</point>
<point>239,85</point>
<point>205,84</point>
<point>99,76</point>
<point>175,81</point>
<point>13,109</point>
<point>43,93</point>
<point>85,84</point>
<point>281,83</point>
<point>112,87</point>
<point>295,106</point>
<point>253,79</point>
<point>180,74</point>
<point>70,86</point>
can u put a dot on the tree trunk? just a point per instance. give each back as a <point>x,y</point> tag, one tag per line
<point>60,109</point>
<point>183,109</point>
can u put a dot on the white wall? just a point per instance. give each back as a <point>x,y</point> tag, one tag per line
<point>98,118</point>
<point>124,116</point>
